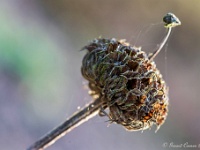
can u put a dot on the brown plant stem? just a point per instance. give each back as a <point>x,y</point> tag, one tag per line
<point>75,120</point>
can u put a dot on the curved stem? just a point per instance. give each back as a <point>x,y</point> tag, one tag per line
<point>75,120</point>
<point>151,57</point>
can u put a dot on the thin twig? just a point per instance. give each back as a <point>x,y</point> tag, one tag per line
<point>75,120</point>
<point>170,21</point>
<point>161,45</point>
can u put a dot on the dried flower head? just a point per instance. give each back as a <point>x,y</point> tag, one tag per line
<point>127,81</point>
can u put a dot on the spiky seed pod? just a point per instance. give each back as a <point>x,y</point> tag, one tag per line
<point>128,83</point>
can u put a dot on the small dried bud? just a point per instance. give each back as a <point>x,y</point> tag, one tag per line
<point>128,83</point>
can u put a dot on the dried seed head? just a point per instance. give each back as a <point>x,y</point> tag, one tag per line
<point>128,83</point>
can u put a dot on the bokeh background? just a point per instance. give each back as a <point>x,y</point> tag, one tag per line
<point>41,84</point>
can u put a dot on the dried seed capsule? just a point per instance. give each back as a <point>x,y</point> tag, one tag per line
<point>128,83</point>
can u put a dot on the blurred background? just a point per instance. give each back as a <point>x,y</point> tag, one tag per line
<point>41,83</point>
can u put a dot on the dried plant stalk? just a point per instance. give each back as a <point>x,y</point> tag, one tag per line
<point>75,120</point>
